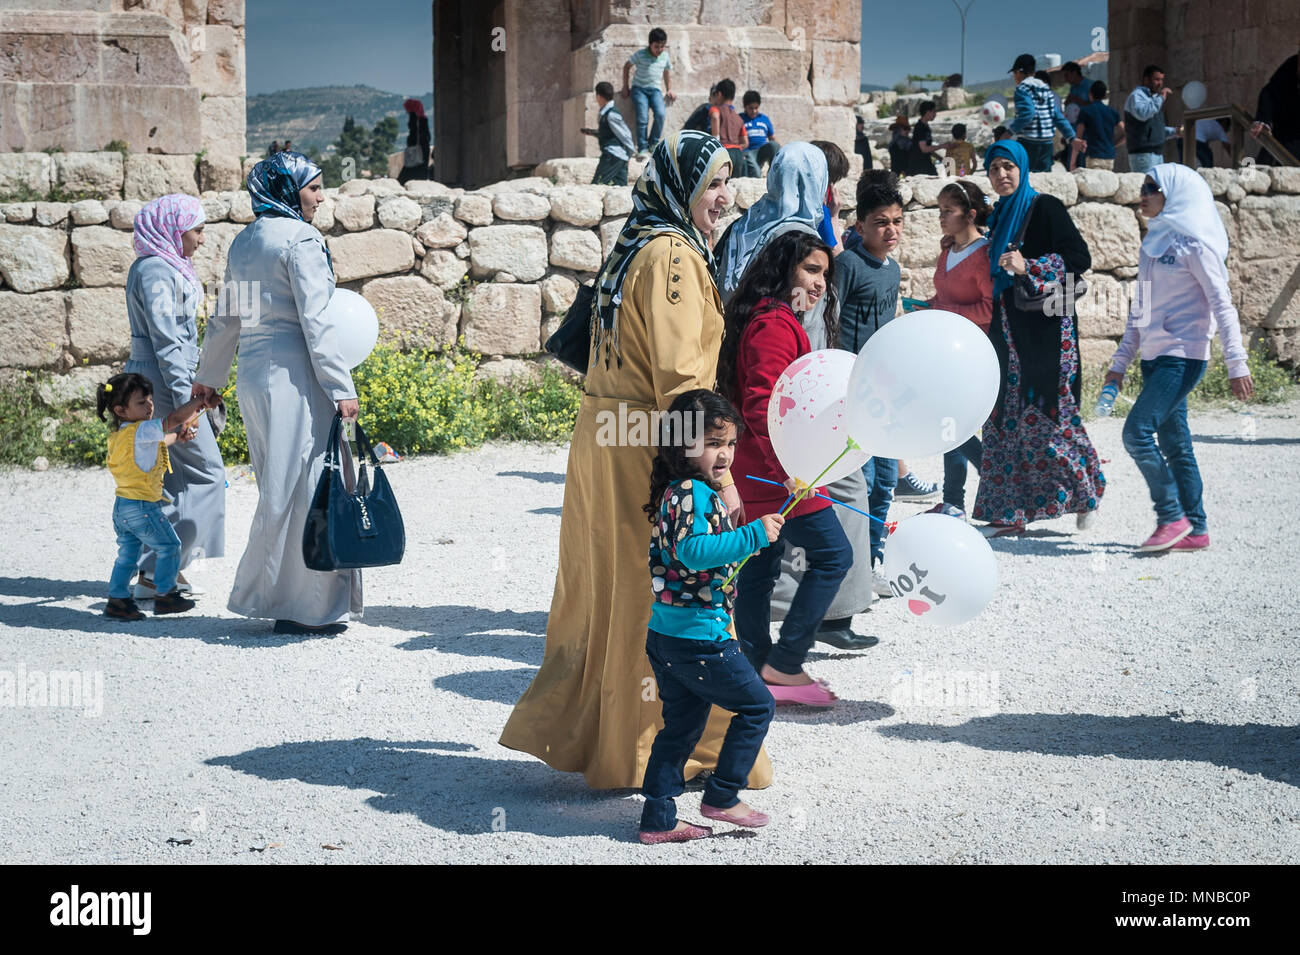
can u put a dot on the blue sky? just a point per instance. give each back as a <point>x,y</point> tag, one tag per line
<point>388,43</point>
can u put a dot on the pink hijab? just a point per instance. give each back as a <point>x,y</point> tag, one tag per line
<point>158,229</point>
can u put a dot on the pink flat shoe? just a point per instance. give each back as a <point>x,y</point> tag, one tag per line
<point>814,694</point>
<point>691,832</point>
<point>750,820</point>
<point>1193,542</point>
<point>1166,536</point>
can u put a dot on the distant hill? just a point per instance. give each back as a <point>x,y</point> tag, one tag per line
<point>312,117</point>
<point>873,88</point>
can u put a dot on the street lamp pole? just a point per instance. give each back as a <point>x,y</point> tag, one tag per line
<point>963,35</point>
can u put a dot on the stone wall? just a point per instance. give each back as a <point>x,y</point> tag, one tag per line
<point>1232,46</point>
<point>163,76</point>
<point>501,264</point>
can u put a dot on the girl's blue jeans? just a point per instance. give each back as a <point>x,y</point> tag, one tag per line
<point>692,676</point>
<point>1160,414</point>
<point>142,523</point>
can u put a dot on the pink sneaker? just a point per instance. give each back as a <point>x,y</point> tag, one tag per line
<point>751,820</point>
<point>1193,542</point>
<point>1167,535</point>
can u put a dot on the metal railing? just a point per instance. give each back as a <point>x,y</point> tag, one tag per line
<point>1240,122</point>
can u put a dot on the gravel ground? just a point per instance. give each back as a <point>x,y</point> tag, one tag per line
<point>1104,708</point>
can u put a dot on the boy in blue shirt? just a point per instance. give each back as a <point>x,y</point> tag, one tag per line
<point>650,88</point>
<point>1101,128</point>
<point>762,146</point>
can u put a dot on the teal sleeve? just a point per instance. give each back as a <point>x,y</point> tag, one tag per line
<point>702,550</point>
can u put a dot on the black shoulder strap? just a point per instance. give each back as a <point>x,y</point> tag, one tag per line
<point>1029,214</point>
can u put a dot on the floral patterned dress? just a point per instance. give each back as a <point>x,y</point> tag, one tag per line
<point>1039,462</point>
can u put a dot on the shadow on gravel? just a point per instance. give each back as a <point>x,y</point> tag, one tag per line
<point>495,686</point>
<point>843,713</point>
<point>1044,546</point>
<point>1269,751</point>
<point>43,588</point>
<point>1237,439</point>
<point>220,631</point>
<point>554,511</point>
<point>469,631</point>
<point>472,795</point>
<point>541,477</point>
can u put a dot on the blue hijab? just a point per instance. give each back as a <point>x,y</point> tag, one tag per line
<point>1010,211</point>
<point>274,183</point>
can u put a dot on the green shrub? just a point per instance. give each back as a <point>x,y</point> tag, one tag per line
<point>21,421</point>
<point>545,411</point>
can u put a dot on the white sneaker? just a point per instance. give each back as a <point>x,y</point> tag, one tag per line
<point>878,582</point>
<point>187,588</point>
<point>144,589</point>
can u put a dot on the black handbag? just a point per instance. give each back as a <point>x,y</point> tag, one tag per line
<point>1056,298</point>
<point>349,529</point>
<point>571,342</point>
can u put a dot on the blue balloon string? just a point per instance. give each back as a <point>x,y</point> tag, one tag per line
<point>822,496</point>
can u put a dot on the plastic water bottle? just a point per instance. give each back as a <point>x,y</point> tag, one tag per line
<point>1106,400</point>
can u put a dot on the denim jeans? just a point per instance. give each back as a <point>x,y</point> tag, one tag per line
<point>828,555</point>
<point>1160,414</point>
<point>142,523</point>
<point>646,99</point>
<point>882,478</point>
<point>1040,155</point>
<point>954,470</point>
<point>748,165</point>
<point>692,676</point>
<point>1144,162</point>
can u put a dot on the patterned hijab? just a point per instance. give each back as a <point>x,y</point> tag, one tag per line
<point>1189,211</point>
<point>274,184</point>
<point>679,170</point>
<point>1010,211</point>
<point>159,226</point>
<point>796,187</point>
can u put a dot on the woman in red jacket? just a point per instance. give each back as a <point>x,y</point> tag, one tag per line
<point>763,336</point>
<point>962,284</point>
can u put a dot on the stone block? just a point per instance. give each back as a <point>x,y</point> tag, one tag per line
<point>215,209</point>
<point>122,214</point>
<point>75,386</point>
<point>33,258</point>
<point>229,12</point>
<point>618,200</point>
<point>558,292</point>
<point>1095,355</point>
<point>33,328</point>
<point>241,207</point>
<point>576,249</point>
<point>220,171</point>
<point>52,213</point>
<point>577,205</point>
<point>19,212</point>
<point>217,64</point>
<point>609,232</point>
<point>102,256</point>
<point>360,255</point>
<point>31,171</point>
<point>1111,233</point>
<point>150,176</point>
<point>399,212</point>
<point>919,247</point>
<point>1268,292</point>
<point>88,212</point>
<point>98,173</point>
<point>1059,184</point>
<point>1096,183</point>
<point>745,191</point>
<point>926,189</point>
<point>518,249</point>
<point>99,329</point>
<point>501,319</point>
<point>442,232</point>
<point>521,206</point>
<point>355,213</point>
<point>1268,225</point>
<point>224,127</point>
<point>1103,312</point>
<point>474,209</point>
<point>836,68</point>
<point>823,20</point>
<point>1130,185</point>
<point>1285,178</point>
<point>442,268</point>
<point>412,312</point>
<point>420,188</point>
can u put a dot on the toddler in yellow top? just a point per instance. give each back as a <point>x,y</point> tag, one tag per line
<point>137,459</point>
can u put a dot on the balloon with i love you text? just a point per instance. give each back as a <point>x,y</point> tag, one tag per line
<point>942,568</point>
<point>807,420</point>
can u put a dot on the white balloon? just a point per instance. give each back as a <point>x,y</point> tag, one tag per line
<point>942,568</point>
<point>1194,94</point>
<point>355,323</point>
<point>994,112</point>
<point>922,384</point>
<point>807,417</point>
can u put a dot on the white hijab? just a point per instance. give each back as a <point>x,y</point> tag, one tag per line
<point>1189,211</point>
<point>796,188</point>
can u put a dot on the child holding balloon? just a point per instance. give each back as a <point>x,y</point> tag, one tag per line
<point>696,663</point>
<point>962,285</point>
<point>763,337</point>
